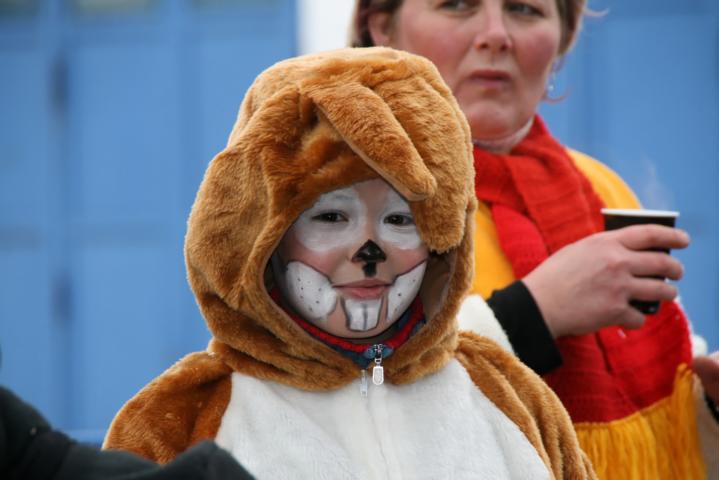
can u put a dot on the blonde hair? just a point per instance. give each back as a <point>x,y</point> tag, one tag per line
<point>570,14</point>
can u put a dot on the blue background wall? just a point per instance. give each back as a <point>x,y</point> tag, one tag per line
<point>108,118</point>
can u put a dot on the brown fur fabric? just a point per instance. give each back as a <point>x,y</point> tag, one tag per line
<point>540,415</point>
<point>308,126</point>
<point>182,407</point>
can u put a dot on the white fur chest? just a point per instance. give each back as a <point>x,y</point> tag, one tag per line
<point>442,427</point>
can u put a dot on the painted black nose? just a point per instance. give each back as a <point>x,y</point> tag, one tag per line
<point>370,252</point>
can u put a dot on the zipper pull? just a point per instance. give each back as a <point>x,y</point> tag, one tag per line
<point>378,369</point>
<point>363,383</point>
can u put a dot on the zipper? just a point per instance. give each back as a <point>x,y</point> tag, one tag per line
<point>377,369</point>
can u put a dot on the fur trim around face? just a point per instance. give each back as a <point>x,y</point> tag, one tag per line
<point>308,126</point>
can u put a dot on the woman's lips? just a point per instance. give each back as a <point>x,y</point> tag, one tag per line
<point>363,290</point>
<point>490,79</point>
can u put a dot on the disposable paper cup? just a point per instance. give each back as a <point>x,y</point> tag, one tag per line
<point>615,218</point>
<point>623,217</point>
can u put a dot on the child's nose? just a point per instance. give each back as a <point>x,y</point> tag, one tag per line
<point>369,252</point>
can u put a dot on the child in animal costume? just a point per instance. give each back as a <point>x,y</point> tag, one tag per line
<point>329,248</point>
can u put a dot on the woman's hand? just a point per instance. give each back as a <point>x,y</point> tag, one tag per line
<point>707,369</point>
<point>588,284</point>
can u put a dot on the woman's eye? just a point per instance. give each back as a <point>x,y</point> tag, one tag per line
<point>399,219</point>
<point>457,5</point>
<point>330,217</point>
<point>523,9</point>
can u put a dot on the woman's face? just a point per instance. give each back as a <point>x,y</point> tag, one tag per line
<point>353,262</point>
<point>495,55</point>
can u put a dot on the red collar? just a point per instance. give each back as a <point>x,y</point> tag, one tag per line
<point>400,336</point>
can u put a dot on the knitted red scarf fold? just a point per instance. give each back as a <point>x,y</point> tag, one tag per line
<point>541,202</point>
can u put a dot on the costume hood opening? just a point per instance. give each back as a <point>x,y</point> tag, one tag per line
<point>308,126</point>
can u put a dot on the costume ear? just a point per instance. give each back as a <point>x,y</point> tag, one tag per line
<point>280,119</point>
<point>372,131</point>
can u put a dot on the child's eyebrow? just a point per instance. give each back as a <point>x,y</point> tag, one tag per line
<point>337,196</point>
<point>396,202</point>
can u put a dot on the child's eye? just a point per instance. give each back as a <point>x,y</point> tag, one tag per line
<point>330,217</point>
<point>399,219</point>
<point>523,8</point>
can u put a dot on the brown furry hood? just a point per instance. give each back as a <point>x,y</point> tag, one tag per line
<point>308,126</point>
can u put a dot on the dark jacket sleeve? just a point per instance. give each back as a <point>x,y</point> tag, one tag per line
<point>518,313</point>
<point>31,450</point>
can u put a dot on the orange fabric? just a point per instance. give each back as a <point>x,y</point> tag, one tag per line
<point>629,448</point>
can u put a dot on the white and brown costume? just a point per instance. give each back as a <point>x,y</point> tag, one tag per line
<point>284,403</point>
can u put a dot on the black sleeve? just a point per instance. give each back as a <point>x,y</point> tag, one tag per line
<point>27,440</point>
<point>31,450</point>
<point>204,461</point>
<point>519,316</point>
<point>713,408</point>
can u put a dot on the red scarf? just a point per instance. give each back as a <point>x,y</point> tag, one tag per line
<point>541,202</point>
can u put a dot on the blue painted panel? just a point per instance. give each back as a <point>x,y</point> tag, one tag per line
<point>125,105</point>
<point>24,96</point>
<point>31,334</point>
<point>28,336</point>
<point>126,320</point>
<point>125,110</point>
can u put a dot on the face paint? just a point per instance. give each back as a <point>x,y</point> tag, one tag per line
<point>362,315</point>
<point>336,219</point>
<point>370,253</point>
<point>310,292</point>
<point>394,231</point>
<point>404,290</point>
<point>353,262</point>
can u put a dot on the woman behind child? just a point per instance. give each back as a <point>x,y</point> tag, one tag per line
<point>329,248</point>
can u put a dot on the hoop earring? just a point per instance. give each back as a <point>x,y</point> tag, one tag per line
<point>549,89</point>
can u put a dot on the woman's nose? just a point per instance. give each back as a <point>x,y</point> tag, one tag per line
<point>492,34</point>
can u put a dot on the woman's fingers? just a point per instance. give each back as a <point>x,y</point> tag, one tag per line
<point>654,264</point>
<point>650,236</point>
<point>631,318</point>
<point>651,289</point>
